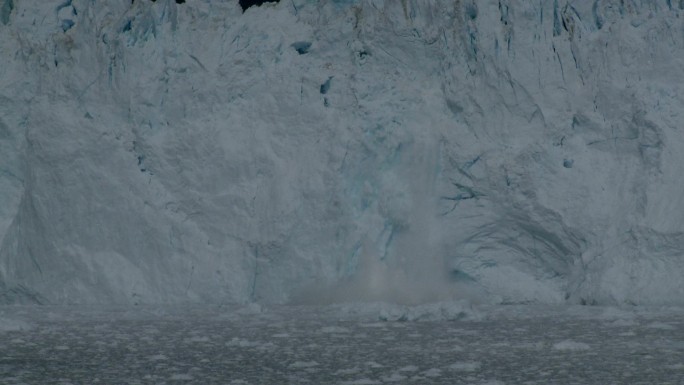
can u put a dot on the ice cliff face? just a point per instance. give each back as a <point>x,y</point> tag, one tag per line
<point>330,150</point>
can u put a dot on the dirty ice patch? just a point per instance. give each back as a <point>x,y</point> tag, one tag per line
<point>395,377</point>
<point>346,372</point>
<point>623,323</point>
<point>441,311</point>
<point>434,372</point>
<point>12,325</point>
<point>362,381</point>
<point>570,345</point>
<point>242,343</point>
<point>611,313</point>
<point>660,325</point>
<point>181,377</point>
<point>303,364</point>
<point>384,311</point>
<point>334,330</point>
<point>465,366</point>
<point>197,339</point>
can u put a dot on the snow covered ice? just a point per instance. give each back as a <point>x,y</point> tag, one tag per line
<point>411,163</point>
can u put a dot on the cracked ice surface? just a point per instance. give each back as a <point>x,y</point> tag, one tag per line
<point>418,150</point>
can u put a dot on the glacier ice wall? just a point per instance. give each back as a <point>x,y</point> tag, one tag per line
<point>410,150</point>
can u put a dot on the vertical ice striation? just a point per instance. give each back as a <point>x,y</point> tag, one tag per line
<point>412,150</point>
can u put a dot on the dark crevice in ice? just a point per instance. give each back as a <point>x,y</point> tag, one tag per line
<point>245,4</point>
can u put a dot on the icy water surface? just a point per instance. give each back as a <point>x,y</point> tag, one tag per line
<point>340,345</point>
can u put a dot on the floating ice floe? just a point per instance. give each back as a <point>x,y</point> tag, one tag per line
<point>571,345</point>
<point>11,325</point>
